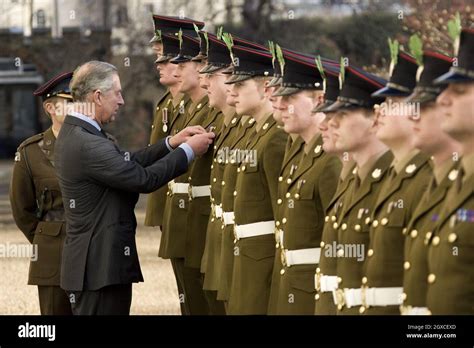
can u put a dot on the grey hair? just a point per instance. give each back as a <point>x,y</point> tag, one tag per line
<point>90,77</point>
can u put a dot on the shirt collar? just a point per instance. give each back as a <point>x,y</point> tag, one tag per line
<point>86,119</point>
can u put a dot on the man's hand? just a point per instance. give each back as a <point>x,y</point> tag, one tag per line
<point>185,135</point>
<point>200,142</point>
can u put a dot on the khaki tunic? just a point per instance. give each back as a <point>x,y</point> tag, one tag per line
<point>255,201</point>
<point>418,234</point>
<point>173,237</point>
<point>396,202</point>
<point>306,200</point>
<point>165,122</point>
<point>353,227</point>
<point>450,248</point>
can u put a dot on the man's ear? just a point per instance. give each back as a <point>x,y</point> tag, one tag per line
<point>49,107</point>
<point>97,97</point>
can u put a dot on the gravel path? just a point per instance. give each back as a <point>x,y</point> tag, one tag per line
<point>157,295</point>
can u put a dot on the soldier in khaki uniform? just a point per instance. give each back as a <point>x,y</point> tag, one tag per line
<point>36,199</point>
<point>169,106</point>
<point>256,186</point>
<point>199,207</point>
<point>309,189</point>
<point>218,61</point>
<point>290,161</point>
<point>355,133</point>
<point>450,257</point>
<point>217,262</point>
<point>173,239</point>
<point>167,112</point>
<point>408,178</point>
<point>445,152</point>
<point>325,277</point>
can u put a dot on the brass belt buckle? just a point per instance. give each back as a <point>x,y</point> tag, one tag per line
<point>340,298</point>
<point>317,281</point>
<point>190,193</point>
<point>363,296</point>
<point>235,234</point>
<point>283,257</point>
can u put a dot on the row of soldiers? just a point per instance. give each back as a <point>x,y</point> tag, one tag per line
<point>329,190</point>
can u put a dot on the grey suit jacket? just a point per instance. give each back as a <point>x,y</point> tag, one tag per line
<point>100,186</point>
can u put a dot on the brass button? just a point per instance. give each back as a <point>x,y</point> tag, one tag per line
<point>212,166</point>
<point>297,196</point>
<point>214,180</point>
<point>152,126</point>
<point>404,231</point>
<point>238,170</point>
<point>404,296</point>
<point>452,237</point>
<point>364,280</point>
<point>431,278</point>
<point>406,265</point>
<point>326,219</point>
<point>223,183</point>
<point>212,219</point>
<point>340,253</point>
<point>277,245</point>
<point>413,233</point>
<point>322,244</point>
<point>370,252</point>
<point>384,221</point>
<point>282,271</point>
<point>318,270</point>
<point>367,220</point>
<point>344,226</point>
<point>235,193</point>
<point>288,195</point>
<point>339,307</point>
<point>361,309</point>
<point>277,223</point>
<point>279,201</point>
<point>283,221</point>
<point>357,227</point>
<point>243,168</point>
<point>375,223</point>
<point>335,225</point>
<point>280,179</point>
<point>436,240</point>
<point>333,218</point>
<point>339,280</point>
<point>316,297</point>
<point>288,181</point>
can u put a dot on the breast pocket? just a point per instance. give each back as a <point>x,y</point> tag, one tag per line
<point>253,188</point>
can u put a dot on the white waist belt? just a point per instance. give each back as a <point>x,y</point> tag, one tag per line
<point>228,218</point>
<point>300,256</point>
<point>375,297</point>
<point>347,297</point>
<point>199,191</point>
<point>383,296</point>
<point>254,229</point>
<point>409,310</point>
<point>178,187</point>
<point>217,209</point>
<point>328,283</point>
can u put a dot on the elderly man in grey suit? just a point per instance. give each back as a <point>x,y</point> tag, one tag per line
<point>101,184</point>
